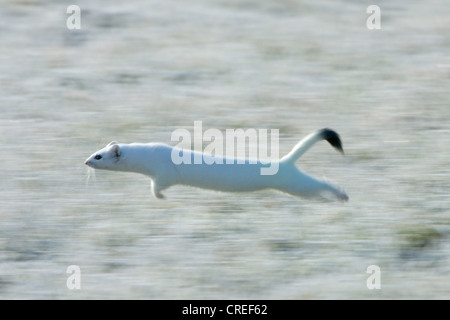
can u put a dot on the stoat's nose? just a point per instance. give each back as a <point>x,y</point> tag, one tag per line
<point>86,162</point>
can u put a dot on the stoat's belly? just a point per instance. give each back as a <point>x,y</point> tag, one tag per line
<point>224,176</point>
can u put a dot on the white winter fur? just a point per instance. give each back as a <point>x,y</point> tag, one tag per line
<point>154,160</point>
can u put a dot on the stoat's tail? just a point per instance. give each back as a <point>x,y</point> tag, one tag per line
<point>325,134</point>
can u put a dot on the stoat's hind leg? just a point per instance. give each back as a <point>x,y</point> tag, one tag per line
<point>340,194</point>
<point>156,190</point>
<point>314,188</point>
<point>326,190</point>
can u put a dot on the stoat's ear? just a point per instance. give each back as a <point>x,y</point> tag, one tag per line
<point>116,150</point>
<point>112,143</point>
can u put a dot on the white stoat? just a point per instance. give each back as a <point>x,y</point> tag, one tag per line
<point>155,161</point>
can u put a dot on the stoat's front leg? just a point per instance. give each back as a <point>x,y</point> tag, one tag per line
<point>156,190</point>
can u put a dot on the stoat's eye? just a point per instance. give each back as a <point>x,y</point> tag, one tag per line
<point>98,157</point>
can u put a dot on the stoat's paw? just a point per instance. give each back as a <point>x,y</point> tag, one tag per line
<point>343,196</point>
<point>159,195</point>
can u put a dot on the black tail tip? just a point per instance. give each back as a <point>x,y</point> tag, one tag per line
<point>333,138</point>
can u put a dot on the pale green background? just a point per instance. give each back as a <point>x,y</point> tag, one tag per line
<point>138,70</point>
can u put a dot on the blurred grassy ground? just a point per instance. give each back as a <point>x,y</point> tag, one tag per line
<point>138,70</point>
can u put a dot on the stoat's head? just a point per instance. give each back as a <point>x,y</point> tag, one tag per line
<point>106,158</point>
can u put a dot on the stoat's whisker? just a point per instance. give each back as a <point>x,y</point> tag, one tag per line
<point>90,174</point>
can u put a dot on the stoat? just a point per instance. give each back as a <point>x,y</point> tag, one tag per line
<point>156,161</point>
